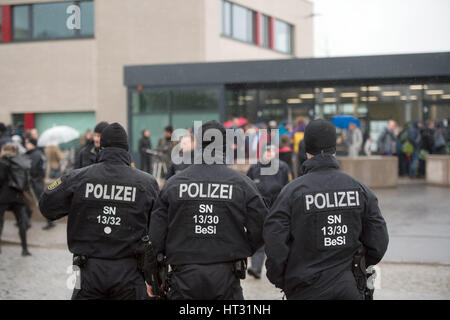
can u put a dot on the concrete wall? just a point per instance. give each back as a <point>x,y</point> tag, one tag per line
<point>141,32</point>
<point>375,171</point>
<point>438,170</point>
<point>48,76</point>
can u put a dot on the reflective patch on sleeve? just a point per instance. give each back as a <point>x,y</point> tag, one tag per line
<point>54,184</point>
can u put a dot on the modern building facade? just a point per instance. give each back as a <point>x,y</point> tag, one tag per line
<point>372,88</point>
<point>63,62</point>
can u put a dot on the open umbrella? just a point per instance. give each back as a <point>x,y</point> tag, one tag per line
<point>240,123</point>
<point>57,135</point>
<point>343,121</point>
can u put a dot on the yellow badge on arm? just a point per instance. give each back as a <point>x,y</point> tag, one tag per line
<point>54,184</point>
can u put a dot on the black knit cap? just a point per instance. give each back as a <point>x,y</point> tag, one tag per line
<point>100,127</point>
<point>213,124</point>
<point>114,135</point>
<point>320,136</point>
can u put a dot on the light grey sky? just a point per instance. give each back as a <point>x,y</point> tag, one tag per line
<point>369,27</point>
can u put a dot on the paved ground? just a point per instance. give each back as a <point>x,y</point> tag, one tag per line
<point>416,266</point>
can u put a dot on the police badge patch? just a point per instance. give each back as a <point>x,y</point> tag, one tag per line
<point>54,184</point>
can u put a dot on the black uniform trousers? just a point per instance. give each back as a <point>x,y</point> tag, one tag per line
<point>204,282</point>
<point>328,286</point>
<point>102,279</point>
<point>21,217</point>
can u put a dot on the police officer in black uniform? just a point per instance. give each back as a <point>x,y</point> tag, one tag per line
<point>207,220</point>
<point>89,153</point>
<point>269,187</point>
<point>319,223</point>
<point>108,206</point>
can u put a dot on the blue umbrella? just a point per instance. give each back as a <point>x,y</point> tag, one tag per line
<point>343,121</point>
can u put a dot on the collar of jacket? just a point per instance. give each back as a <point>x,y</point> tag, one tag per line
<point>268,164</point>
<point>31,151</point>
<point>219,156</point>
<point>321,161</point>
<point>115,155</point>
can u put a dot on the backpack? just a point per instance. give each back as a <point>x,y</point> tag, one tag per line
<point>19,176</point>
<point>407,148</point>
<point>439,141</point>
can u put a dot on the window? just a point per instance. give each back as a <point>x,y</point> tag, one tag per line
<point>265,31</point>
<point>87,18</point>
<point>49,21</point>
<point>21,22</point>
<point>226,18</point>
<point>283,36</point>
<point>237,22</point>
<point>46,21</point>
<point>242,19</point>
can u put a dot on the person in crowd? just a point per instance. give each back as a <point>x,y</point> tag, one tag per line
<point>18,142</point>
<point>145,145</point>
<point>37,172</point>
<point>54,157</point>
<point>251,140</point>
<point>301,157</point>
<point>4,137</point>
<point>414,138</point>
<point>165,145</point>
<point>84,140</point>
<point>284,129</point>
<point>387,139</point>
<point>34,134</point>
<point>447,132</point>
<point>89,153</point>
<point>298,133</point>
<point>440,144</point>
<point>353,140</point>
<point>87,138</point>
<point>427,135</point>
<point>187,146</point>
<point>14,175</point>
<point>272,126</point>
<point>269,186</point>
<point>404,150</point>
<point>285,152</point>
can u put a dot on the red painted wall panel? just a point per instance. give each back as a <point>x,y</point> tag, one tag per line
<point>29,121</point>
<point>6,24</point>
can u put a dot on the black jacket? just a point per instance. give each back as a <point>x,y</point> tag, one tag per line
<point>318,223</point>
<point>88,155</point>
<point>269,185</point>
<point>145,144</point>
<point>208,214</point>
<point>301,157</point>
<point>108,206</point>
<point>177,168</point>
<point>4,138</point>
<point>9,195</point>
<point>37,163</point>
